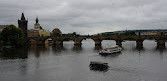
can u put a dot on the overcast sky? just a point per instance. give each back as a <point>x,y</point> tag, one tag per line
<point>87,16</point>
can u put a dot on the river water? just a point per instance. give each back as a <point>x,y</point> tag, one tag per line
<point>71,63</point>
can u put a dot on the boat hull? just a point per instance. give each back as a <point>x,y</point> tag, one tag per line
<point>110,53</point>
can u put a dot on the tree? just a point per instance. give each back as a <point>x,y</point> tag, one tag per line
<point>128,33</point>
<point>1,42</point>
<point>74,33</point>
<point>12,35</point>
<point>56,34</point>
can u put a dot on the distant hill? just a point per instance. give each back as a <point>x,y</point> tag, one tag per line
<point>144,30</point>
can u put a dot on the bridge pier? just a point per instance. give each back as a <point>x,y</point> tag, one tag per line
<point>98,47</point>
<point>53,42</point>
<point>97,42</point>
<point>160,43</point>
<point>32,42</point>
<point>39,42</point>
<point>139,43</point>
<point>77,42</point>
<point>119,42</point>
<point>77,47</point>
<point>57,43</point>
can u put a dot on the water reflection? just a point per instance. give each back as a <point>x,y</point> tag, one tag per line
<point>77,48</point>
<point>161,49</point>
<point>98,47</point>
<point>139,48</point>
<point>57,49</point>
<point>37,49</point>
<point>21,53</point>
<point>133,64</point>
<point>23,67</point>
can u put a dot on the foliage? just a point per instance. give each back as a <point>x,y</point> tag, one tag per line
<point>56,33</point>
<point>128,33</point>
<point>1,42</point>
<point>13,36</point>
<point>72,34</point>
<point>107,34</point>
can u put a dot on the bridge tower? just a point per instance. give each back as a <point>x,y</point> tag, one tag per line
<point>22,23</point>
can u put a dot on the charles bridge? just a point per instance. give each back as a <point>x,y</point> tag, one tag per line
<point>58,40</point>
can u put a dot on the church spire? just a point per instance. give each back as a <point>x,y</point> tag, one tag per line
<point>37,19</point>
<point>37,25</point>
<point>22,16</point>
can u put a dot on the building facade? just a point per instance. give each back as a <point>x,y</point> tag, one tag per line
<point>43,32</point>
<point>37,25</point>
<point>38,30</point>
<point>32,33</point>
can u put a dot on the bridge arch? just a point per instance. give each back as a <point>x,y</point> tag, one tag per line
<point>32,41</point>
<point>108,43</point>
<point>65,41</point>
<point>99,39</point>
<point>48,40</point>
<point>37,40</point>
<point>88,41</point>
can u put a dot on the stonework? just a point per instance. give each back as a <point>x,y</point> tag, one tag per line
<point>37,26</point>
<point>33,33</point>
<point>23,24</point>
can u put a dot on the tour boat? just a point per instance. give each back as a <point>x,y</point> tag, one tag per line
<point>112,50</point>
<point>98,66</point>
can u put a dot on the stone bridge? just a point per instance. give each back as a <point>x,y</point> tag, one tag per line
<point>38,40</point>
<point>58,40</point>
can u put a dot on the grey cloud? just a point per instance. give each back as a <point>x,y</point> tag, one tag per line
<point>87,16</point>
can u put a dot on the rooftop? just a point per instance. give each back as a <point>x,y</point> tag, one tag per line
<point>3,26</point>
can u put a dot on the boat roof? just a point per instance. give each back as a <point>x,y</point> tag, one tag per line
<point>115,46</point>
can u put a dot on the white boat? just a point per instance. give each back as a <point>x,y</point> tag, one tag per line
<point>112,50</point>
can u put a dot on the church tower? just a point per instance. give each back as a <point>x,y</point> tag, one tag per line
<point>37,25</point>
<point>23,24</point>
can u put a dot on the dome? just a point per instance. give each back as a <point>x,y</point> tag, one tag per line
<point>56,30</point>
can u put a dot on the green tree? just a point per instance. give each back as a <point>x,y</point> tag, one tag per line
<point>74,33</point>
<point>128,33</point>
<point>1,42</point>
<point>56,34</point>
<point>12,35</point>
